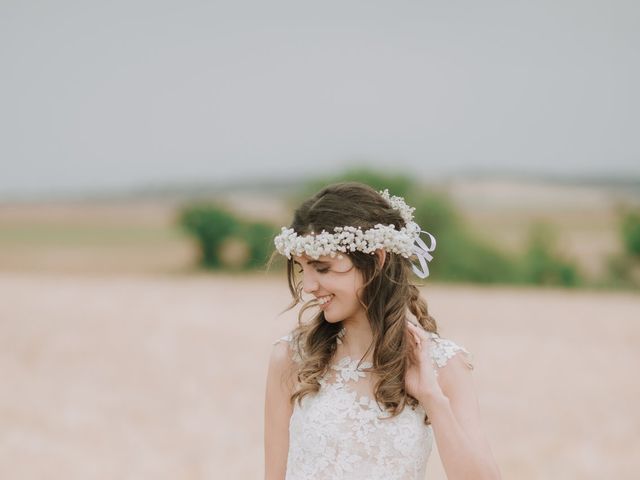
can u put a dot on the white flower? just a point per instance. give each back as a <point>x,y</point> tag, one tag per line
<point>348,238</point>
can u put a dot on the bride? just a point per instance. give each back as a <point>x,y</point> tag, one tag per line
<point>363,389</point>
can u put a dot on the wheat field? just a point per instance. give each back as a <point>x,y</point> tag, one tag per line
<point>119,360</point>
<point>139,376</point>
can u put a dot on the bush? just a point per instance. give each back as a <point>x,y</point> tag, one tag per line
<point>398,184</point>
<point>630,232</point>
<point>259,237</point>
<point>623,268</point>
<point>459,255</point>
<point>463,257</point>
<point>226,241</point>
<point>211,224</point>
<point>542,265</point>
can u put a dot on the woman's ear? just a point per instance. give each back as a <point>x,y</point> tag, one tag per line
<point>381,255</point>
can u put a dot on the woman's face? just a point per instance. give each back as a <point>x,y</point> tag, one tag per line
<point>336,277</point>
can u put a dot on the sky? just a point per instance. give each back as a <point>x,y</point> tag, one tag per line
<point>109,95</point>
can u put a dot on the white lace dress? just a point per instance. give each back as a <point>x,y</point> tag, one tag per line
<point>340,432</point>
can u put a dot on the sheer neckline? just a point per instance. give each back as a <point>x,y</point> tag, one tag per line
<point>342,358</point>
<point>344,361</point>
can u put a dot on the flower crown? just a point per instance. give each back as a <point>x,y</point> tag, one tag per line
<point>405,242</point>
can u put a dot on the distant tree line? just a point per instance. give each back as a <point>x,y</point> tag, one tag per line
<point>228,242</point>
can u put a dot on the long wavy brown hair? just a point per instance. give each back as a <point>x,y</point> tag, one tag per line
<point>386,295</point>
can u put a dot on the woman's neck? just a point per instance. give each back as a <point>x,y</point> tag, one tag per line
<point>356,338</point>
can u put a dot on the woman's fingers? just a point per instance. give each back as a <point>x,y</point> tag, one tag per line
<point>414,347</point>
<point>413,334</point>
<point>419,332</point>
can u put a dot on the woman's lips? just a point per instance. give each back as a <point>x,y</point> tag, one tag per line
<point>324,305</point>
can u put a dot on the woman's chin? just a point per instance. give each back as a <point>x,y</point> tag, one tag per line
<point>330,318</point>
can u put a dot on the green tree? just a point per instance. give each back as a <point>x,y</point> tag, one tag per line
<point>624,266</point>
<point>259,236</point>
<point>630,232</point>
<point>542,264</point>
<point>399,184</point>
<point>211,224</point>
<point>459,255</point>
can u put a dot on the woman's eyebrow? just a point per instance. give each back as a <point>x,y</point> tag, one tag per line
<point>311,262</point>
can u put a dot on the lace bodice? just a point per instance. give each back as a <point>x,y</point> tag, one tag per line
<point>340,432</point>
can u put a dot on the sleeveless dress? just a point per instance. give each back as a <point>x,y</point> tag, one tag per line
<point>341,433</point>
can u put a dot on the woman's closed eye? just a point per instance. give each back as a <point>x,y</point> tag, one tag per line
<point>319,270</point>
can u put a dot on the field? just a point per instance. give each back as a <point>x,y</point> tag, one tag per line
<point>131,376</point>
<point>120,360</point>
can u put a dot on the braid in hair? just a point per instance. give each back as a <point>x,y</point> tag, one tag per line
<point>418,307</point>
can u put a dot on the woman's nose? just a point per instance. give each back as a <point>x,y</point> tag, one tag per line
<point>309,284</point>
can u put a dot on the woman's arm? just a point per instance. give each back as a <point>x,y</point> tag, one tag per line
<point>455,418</point>
<point>448,396</point>
<point>277,412</point>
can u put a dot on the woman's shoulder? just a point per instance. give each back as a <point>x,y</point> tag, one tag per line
<point>288,338</point>
<point>290,343</point>
<point>284,338</point>
<point>444,349</point>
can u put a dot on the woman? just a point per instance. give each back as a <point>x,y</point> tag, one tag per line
<point>362,390</point>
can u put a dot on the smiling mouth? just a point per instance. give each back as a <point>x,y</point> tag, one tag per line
<point>322,301</point>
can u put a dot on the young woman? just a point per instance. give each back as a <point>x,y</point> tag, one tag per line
<point>362,389</point>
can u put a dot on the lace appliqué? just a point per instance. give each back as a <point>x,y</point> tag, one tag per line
<point>348,369</point>
<point>295,354</point>
<point>442,350</point>
<point>342,433</point>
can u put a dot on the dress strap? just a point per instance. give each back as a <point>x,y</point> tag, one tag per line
<point>443,349</point>
<point>295,355</point>
<point>286,338</point>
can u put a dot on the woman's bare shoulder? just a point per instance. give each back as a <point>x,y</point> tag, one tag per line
<point>285,349</point>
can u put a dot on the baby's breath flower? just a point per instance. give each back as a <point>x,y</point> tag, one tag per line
<point>405,242</point>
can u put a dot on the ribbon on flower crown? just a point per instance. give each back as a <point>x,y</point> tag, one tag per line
<point>421,251</point>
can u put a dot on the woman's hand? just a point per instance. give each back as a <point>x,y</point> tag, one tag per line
<point>420,377</point>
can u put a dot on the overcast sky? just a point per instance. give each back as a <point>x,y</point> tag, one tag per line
<point>99,95</point>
